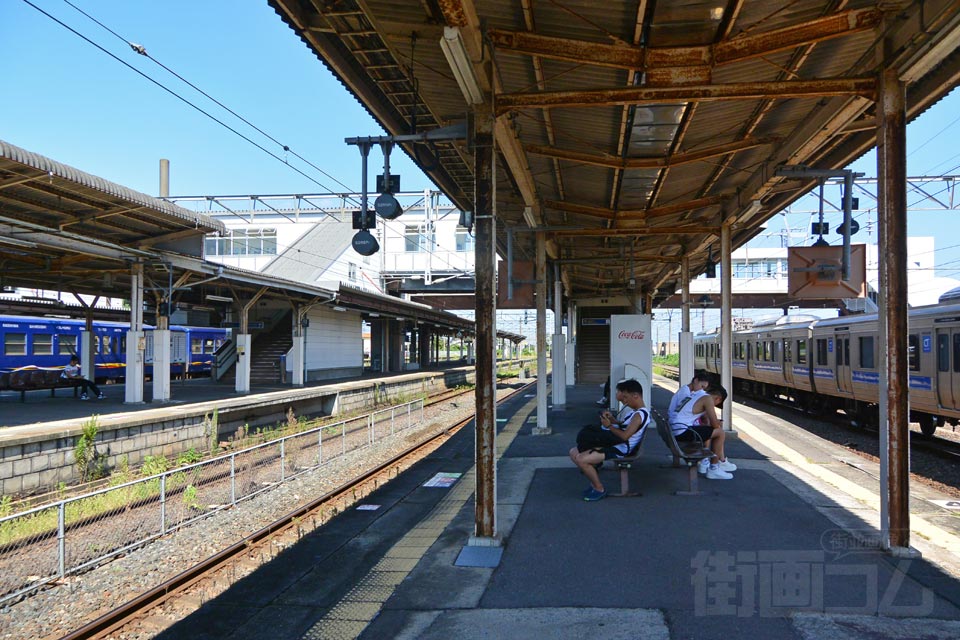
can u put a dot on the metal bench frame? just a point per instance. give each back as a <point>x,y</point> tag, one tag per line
<point>625,463</point>
<point>691,453</point>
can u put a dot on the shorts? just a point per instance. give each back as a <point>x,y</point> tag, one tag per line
<point>608,452</point>
<point>705,432</point>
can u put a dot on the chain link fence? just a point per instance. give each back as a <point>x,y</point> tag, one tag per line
<point>49,542</point>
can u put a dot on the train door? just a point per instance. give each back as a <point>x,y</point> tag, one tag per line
<point>948,366</point>
<point>841,347</point>
<point>787,363</point>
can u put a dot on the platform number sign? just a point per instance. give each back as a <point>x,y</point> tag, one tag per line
<point>927,344</point>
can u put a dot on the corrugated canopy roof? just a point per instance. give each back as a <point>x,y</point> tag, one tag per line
<point>638,127</point>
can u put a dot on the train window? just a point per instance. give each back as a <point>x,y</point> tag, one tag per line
<point>943,352</point>
<point>749,351</point>
<point>821,351</point>
<point>106,345</point>
<point>866,352</point>
<point>208,345</point>
<point>913,352</point>
<point>787,351</point>
<point>96,344</point>
<point>122,343</point>
<point>15,344</point>
<point>956,352</point>
<point>66,344</point>
<point>801,352</point>
<point>196,346</point>
<point>43,344</point>
<point>846,351</point>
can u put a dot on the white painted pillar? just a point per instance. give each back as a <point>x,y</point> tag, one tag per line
<point>88,365</point>
<point>136,342</point>
<point>244,344</point>
<point>687,365</point>
<point>297,359</point>
<point>726,325</point>
<point>542,428</point>
<point>470,359</point>
<point>559,348</point>
<point>161,365</point>
<point>571,359</point>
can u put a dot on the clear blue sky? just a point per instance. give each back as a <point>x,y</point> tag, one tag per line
<point>63,98</point>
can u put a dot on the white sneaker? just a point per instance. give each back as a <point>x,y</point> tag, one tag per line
<point>726,465</point>
<point>716,473</point>
<point>602,401</point>
<point>703,466</point>
<point>83,396</point>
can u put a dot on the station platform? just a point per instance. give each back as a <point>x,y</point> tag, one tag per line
<point>787,549</point>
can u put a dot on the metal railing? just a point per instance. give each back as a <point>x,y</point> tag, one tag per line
<point>51,541</point>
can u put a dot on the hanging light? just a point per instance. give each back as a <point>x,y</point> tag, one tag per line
<point>710,268</point>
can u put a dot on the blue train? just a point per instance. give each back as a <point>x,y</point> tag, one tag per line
<point>47,343</point>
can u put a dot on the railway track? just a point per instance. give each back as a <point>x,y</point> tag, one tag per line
<point>219,571</point>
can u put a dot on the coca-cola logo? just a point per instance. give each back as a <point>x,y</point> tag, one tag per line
<point>631,335</point>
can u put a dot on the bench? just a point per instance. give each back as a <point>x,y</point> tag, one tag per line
<point>626,463</point>
<point>690,452</point>
<point>34,379</point>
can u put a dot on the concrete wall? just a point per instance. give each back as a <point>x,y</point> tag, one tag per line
<point>37,458</point>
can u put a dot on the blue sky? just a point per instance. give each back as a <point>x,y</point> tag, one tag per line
<point>64,98</point>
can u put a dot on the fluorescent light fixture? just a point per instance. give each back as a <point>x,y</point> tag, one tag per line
<point>214,298</point>
<point>529,217</point>
<point>373,314</point>
<point>459,60</point>
<point>19,243</point>
<point>339,308</point>
<point>752,208</point>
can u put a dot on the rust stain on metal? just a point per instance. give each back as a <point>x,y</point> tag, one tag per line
<point>453,12</point>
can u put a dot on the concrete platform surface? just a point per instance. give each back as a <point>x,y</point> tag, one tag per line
<point>787,549</point>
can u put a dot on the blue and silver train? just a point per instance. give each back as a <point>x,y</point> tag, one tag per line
<point>834,364</point>
<point>47,343</point>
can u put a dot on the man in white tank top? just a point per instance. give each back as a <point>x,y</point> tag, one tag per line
<point>699,382</point>
<point>697,420</point>
<point>630,431</point>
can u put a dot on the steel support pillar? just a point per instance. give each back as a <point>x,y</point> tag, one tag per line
<point>485,251</point>
<point>686,336</point>
<point>542,428</point>
<point>559,378</point>
<point>136,344</point>
<point>726,324</point>
<point>892,245</point>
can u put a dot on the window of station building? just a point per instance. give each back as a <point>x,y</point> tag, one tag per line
<point>243,242</point>
<point>352,272</point>
<point>822,351</point>
<point>866,352</point>
<point>66,344</point>
<point>465,241</point>
<point>15,344</point>
<point>801,352</point>
<point>411,237</point>
<point>943,352</point>
<point>913,352</point>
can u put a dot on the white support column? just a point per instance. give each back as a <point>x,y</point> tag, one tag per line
<point>726,325</point>
<point>88,366</point>
<point>297,354</point>
<point>571,359</point>
<point>559,385</point>
<point>136,343</point>
<point>686,336</point>
<point>542,428</point>
<point>161,365</point>
<point>244,342</point>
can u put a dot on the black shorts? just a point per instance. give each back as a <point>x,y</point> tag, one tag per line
<point>705,432</point>
<point>608,452</point>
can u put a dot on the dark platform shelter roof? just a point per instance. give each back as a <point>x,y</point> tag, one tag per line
<point>632,131</point>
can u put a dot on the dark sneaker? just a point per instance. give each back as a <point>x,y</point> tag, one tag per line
<point>84,397</point>
<point>593,495</point>
<point>101,397</point>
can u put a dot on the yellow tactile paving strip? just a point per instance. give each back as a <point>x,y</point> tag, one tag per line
<point>361,605</point>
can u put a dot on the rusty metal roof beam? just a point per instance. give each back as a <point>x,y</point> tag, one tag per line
<point>614,162</point>
<point>856,86</point>
<point>641,214</point>
<point>624,56</point>
<point>695,229</point>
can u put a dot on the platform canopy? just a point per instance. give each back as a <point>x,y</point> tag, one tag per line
<point>631,131</point>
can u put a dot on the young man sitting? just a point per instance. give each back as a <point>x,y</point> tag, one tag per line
<point>72,372</point>
<point>699,382</point>
<point>696,419</point>
<point>629,432</point>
